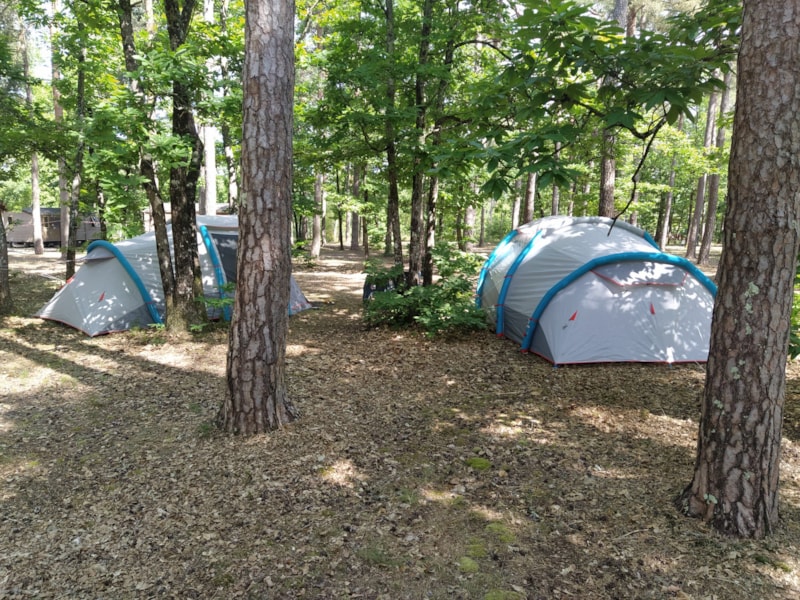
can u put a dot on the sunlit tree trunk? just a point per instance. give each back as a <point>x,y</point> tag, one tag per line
<point>735,484</point>
<point>713,179</point>
<point>183,178</point>
<point>257,399</point>
<point>208,133</point>
<point>530,198</point>
<point>316,227</point>
<point>58,116</point>
<point>36,213</point>
<point>392,167</point>
<point>6,301</point>
<point>700,198</point>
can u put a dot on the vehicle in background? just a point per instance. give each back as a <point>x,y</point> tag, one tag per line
<point>19,227</point>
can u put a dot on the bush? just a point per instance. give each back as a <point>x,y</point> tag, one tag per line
<point>447,307</point>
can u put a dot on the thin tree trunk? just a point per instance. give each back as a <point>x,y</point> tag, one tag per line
<point>713,182</point>
<point>700,199</point>
<point>146,166</point>
<point>183,186</point>
<point>36,213</point>
<point>416,249</point>
<point>355,221</point>
<point>6,301</point>
<point>58,116</point>
<point>392,168</point>
<point>530,198</point>
<point>77,161</point>
<point>319,203</point>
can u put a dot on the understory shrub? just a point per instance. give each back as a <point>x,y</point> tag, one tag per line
<point>446,307</point>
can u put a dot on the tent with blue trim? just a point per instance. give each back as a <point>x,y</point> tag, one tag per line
<point>592,290</point>
<point>118,286</point>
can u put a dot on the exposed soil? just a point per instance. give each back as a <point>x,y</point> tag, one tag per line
<point>454,468</point>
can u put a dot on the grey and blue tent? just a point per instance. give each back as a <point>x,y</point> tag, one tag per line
<point>118,286</point>
<point>591,290</point>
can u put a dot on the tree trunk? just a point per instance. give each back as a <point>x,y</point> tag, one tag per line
<point>231,166</point>
<point>713,180</point>
<point>530,198</point>
<point>6,302</point>
<point>469,228</point>
<point>416,250</point>
<point>77,161</point>
<point>146,167</point>
<point>700,198</point>
<point>208,200</point>
<point>735,484</point>
<point>183,179</point>
<point>58,116</point>
<point>392,168</point>
<point>316,226</point>
<point>355,221</point>
<point>257,398</point>
<point>36,213</point>
<point>608,167</point>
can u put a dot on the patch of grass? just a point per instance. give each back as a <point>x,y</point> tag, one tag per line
<point>468,565</point>
<point>205,430</point>
<point>501,532</point>
<point>477,549</point>
<point>376,556</point>
<point>478,463</point>
<point>772,562</point>
<point>502,595</point>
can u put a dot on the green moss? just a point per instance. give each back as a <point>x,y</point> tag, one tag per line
<point>501,532</point>
<point>478,463</point>
<point>477,549</point>
<point>468,565</point>
<point>502,595</point>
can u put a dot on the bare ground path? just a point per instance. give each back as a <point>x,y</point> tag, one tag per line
<point>419,469</point>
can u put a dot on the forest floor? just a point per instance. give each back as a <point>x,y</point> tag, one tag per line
<point>446,469</point>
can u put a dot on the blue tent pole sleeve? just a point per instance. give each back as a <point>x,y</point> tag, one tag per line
<point>485,269</point>
<point>500,327</point>
<point>216,263</point>
<point>137,281</point>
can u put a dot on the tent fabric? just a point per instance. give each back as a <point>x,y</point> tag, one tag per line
<point>118,286</point>
<point>589,289</point>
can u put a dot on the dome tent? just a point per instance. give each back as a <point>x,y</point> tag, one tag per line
<point>118,286</point>
<point>590,290</point>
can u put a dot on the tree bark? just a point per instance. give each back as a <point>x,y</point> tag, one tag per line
<point>713,180</point>
<point>316,227</point>
<point>735,484</point>
<point>416,250</point>
<point>6,301</point>
<point>257,398</point>
<point>608,168</point>
<point>530,198</point>
<point>146,166</point>
<point>392,167</point>
<point>700,198</point>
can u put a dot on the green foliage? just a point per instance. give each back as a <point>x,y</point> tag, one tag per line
<point>445,308</point>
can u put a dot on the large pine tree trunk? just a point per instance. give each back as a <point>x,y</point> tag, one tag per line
<point>257,399</point>
<point>735,484</point>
